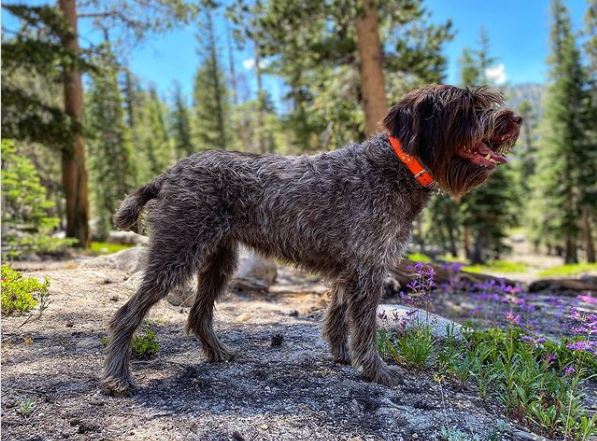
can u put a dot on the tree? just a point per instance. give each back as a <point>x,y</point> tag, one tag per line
<point>486,212</point>
<point>559,181</point>
<point>155,146</point>
<point>314,47</point>
<point>58,41</point>
<point>180,125</point>
<point>111,152</point>
<point>210,93</point>
<point>370,57</point>
<point>26,222</point>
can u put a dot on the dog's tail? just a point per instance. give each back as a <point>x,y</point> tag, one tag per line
<point>128,214</point>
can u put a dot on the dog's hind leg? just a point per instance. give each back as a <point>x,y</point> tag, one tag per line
<point>335,329</point>
<point>364,293</point>
<point>212,279</point>
<point>167,267</point>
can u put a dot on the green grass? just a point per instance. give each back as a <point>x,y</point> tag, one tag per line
<point>572,269</point>
<point>498,266</point>
<point>540,385</point>
<point>419,257</point>
<point>108,248</point>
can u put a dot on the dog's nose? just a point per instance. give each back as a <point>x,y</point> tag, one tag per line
<point>517,119</point>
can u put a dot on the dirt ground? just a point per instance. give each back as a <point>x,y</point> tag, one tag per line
<point>291,391</point>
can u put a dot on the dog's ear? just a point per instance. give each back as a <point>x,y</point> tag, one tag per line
<point>407,118</point>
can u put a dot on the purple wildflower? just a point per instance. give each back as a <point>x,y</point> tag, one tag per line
<point>587,298</point>
<point>569,370</point>
<point>512,318</point>
<point>581,345</point>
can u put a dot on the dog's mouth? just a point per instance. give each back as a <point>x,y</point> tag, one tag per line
<point>485,153</point>
<point>490,152</point>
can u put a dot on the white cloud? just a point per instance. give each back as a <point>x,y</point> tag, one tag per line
<point>496,74</point>
<point>249,63</point>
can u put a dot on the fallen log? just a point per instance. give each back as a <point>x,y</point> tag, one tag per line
<point>403,274</point>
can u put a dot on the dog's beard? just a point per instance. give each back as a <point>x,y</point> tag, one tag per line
<point>460,176</point>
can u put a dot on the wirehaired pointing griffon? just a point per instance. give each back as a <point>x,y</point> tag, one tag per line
<point>345,214</point>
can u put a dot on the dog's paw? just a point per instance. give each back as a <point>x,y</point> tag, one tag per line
<point>341,355</point>
<point>118,386</point>
<point>219,356</point>
<point>388,376</point>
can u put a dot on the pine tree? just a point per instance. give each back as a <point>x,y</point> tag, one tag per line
<point>180,125</point>
<point>210,93</point>
<point>559,178</point>
<point>111,160</point>
<point>486,212</point>
<point>154,144</point>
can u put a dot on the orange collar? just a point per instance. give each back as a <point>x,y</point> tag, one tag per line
<point>421,175</point>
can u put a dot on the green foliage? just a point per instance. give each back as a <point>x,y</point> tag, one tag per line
<point>27,407</point>
<point>571,269</point>
<point>312,46</point>
<point>145,346</point>
<point>180,125</point>
<point>111,161</point>
<point>560,186</point>
<point>210,93</point>
<point>32,61</point>
<point>25,210</point>
<point>535,383</point>
<point>500,266</point>
<point>487,211</point>
<point>21,294</point>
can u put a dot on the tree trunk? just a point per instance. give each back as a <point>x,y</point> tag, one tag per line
<point>372,80</point>
<point>74,174</point>
<point>570,250</point>
<point>588,235</point>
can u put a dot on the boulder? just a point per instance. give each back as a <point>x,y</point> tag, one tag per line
<point>127,238</point>
<point>254,274</point>
<point>130,260</point>
<point>399,317</point>
<point>565,286</point>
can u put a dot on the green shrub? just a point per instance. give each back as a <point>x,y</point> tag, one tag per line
<point>143,347</point>
<point>21,294</point>
<point>25,209</point>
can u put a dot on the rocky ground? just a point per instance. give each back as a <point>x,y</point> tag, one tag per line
<point>283,386</point>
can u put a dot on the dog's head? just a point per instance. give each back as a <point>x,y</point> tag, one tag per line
<point>458,135</point>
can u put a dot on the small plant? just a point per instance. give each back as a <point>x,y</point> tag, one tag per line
<point>27,407</point>
<point>21,294</point>
<point>143,347</point>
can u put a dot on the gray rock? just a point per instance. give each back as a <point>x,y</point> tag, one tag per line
<point>131,260</point>
<point>398,317</point>
<point>127,238</point>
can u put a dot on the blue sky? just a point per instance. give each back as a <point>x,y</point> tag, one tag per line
<point>518,32</point>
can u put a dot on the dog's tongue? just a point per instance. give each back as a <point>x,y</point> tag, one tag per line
<point>482,155</point>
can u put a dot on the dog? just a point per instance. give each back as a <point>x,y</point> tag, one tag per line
<point>346,214</point>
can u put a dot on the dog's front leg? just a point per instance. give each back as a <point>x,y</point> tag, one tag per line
<point>364,293</point>
<point>335,329</point>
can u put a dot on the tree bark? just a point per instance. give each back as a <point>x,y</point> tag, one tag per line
<point>372,79</point>
<point>74,173</point>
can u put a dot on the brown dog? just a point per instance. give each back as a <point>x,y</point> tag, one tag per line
<point>346,214</point>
